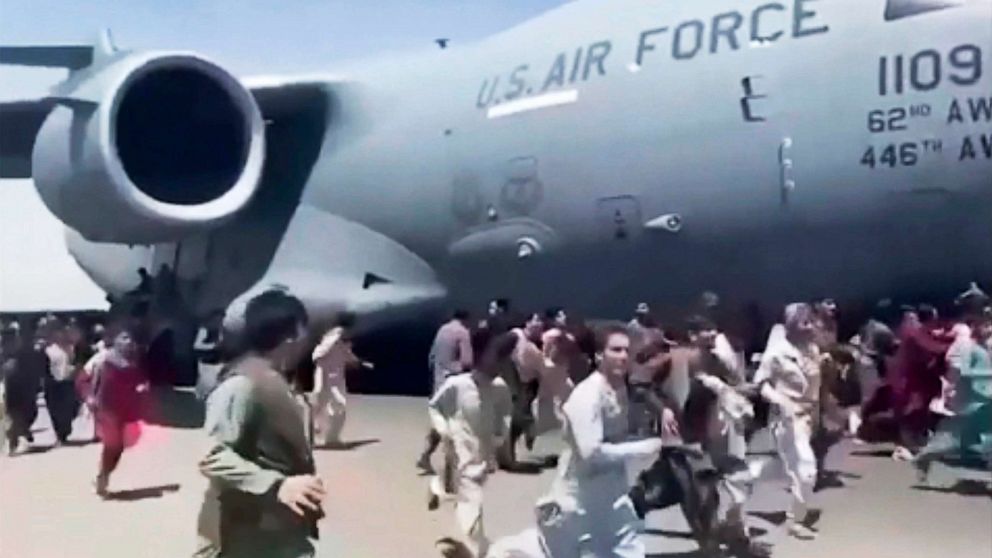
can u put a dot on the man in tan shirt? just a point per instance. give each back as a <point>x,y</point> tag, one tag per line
<point>451,354</point>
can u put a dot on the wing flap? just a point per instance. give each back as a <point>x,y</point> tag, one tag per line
<point>73,57</point>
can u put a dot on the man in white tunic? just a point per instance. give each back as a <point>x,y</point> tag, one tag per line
<point>451,354</point>
<point>471,412</point>
<point>596,515</point>
<point>331,358</point>
<point>790,379</point>
<point>60,389</point>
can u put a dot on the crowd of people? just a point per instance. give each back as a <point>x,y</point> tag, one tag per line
<point>50,358</point>
<point>98,374</point>
<point>649,415</point>
<point>681,405</point>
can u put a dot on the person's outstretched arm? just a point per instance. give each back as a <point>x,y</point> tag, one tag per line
<point>584,416</point>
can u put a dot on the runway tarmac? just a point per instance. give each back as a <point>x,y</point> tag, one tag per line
<point>377,502</point>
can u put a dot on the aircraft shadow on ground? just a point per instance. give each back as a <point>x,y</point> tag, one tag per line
<point>845,474</point>
<point>174,408</point>
<point>833,479</point>
<point>34,449</point>
<point>872,453</point>
<point>965,487</point>
<point>348,446</point>
<point>687,554</point>
<point>37,449</point>
<point>755,532</point>
<point>524,468</point>
<point>972,462</point>
<point>136,494</point>
<point>776,518</point>
<point>670,534</point>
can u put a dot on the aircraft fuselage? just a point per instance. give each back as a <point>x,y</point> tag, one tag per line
<point>769,151</point>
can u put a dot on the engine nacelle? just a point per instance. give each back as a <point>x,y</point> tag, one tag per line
<point>148,148</point>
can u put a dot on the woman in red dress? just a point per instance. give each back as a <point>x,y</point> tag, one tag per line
<point>119,388</point>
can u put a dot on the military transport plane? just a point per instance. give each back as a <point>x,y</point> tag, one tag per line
<point>597,155</point>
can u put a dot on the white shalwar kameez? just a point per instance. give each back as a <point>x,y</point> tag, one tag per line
<point>331,357</point>
<point>595,516</point>
<point>793,373</point>
<point>473,417</point>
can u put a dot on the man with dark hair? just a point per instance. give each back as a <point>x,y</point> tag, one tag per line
<point>875,345</point>
<point>451,353</point>
<point>144,282</point>
<point>261,470</point>
<point>330,389</point>
<point>60,387</point>
<point>649,410</point>
<point>472,413</point>
<point>825,312</point>
<point>499,306</point>
<point>555,317</point>
<point>642,328</point>
<point>919,365</point>
<point>21,381</point>
<point>522,374</point>
<point>597,515</point>
<point>497,316</point>
<point>118,391</point>
<point>707,448</point>
<point>207,348</point>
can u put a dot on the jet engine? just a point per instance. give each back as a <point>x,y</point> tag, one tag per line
<point>149,147</point>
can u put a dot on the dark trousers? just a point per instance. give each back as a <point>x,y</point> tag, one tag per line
<point>63,404</point>
<point>522,419</point>
<point>111,429</point>
<point>433,440</point>
<point>822,440</point>
<point>22,410</point>
<point>685,477</point>
<point>645,410</point>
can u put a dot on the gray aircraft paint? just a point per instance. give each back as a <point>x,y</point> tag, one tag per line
<point>670,134</point>
<point>650,150</point>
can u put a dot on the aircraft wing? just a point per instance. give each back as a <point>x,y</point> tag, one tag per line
<point>20,120</point>
<point>19,125</point>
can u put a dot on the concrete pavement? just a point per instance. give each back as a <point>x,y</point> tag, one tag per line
<point>377,502</point>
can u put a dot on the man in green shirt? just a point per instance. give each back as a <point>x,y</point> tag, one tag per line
<point>264,499</point>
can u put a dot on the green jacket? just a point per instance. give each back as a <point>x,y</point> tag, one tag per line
<point>259,439</point>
